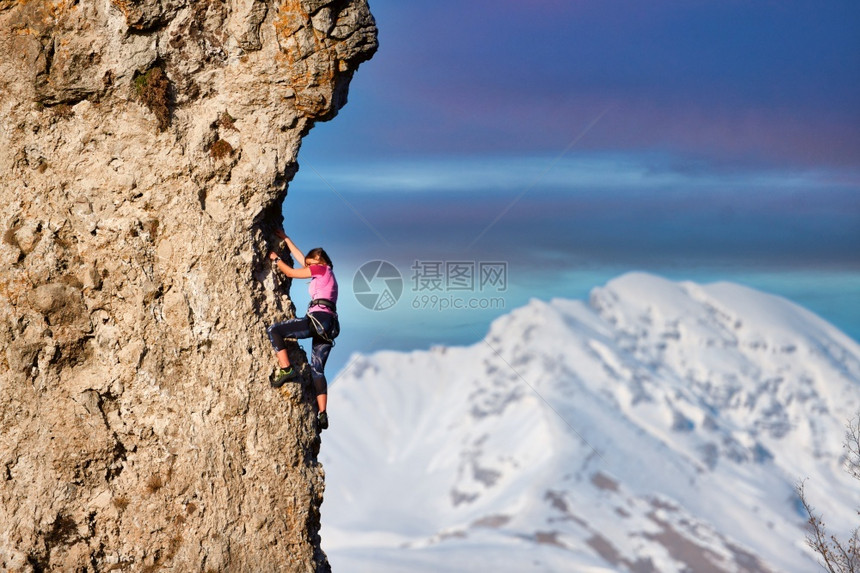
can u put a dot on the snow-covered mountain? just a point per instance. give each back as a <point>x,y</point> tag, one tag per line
<point>659,426</point>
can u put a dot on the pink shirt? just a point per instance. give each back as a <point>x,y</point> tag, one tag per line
<point>323,285</point>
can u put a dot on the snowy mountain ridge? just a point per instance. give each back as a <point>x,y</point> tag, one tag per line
<point>658,427</point>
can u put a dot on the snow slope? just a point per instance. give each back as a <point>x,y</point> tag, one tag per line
<point>658,427</point>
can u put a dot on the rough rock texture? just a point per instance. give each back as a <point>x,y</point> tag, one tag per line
<point>145,149</point>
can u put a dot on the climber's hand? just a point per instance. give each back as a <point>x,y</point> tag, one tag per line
<point>279,233</point>
<point>273,255</point>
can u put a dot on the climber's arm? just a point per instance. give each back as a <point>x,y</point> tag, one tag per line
<point>293,273</point>
<point>294,250</point>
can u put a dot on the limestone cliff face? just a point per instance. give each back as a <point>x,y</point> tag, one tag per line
<point>145,149</point>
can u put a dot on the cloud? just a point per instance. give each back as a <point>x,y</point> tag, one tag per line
<point>572,172</point>
<point>740,81</point>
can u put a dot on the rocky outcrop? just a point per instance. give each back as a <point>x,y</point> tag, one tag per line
<point>145,150</point>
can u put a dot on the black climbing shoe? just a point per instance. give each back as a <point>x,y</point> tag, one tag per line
<point>322,420</point>
<point>282,375</point>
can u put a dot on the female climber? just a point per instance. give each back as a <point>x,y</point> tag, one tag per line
<point>320,324</point>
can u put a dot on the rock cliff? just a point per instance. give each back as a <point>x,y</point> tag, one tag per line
<point>145,150</point>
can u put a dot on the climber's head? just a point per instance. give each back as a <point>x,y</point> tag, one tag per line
<point>318,256</point>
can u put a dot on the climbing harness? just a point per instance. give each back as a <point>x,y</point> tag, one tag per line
<point>323,302</point>
<point>334,329</point>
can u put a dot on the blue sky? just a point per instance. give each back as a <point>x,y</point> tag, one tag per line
<point>575,140</point>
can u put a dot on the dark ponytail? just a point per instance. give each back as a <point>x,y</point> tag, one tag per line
<point>319,253</point>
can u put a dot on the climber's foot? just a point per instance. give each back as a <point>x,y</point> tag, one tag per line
<point>282,375</point>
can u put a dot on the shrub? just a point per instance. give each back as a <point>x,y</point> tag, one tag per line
<point>220,149</point>
<point>836,556</point>
<point>154,483</point>
<point>227,121</point>
<point>152,88</point>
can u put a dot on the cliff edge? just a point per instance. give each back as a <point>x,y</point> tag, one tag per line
<point>145,150</point>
